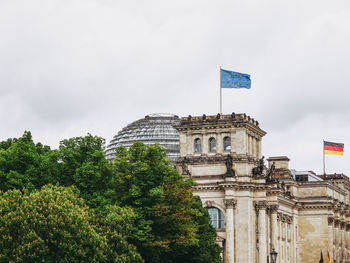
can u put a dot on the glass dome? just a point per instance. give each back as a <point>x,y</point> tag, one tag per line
<point>154,128</point>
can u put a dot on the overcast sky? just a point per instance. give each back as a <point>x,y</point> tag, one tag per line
<point>69,67</point>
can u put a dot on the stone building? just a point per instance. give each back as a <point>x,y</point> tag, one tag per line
<point>257,208</point>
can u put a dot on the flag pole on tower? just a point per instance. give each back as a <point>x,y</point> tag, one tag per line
<point>233,80</point>
<point>220,94</point>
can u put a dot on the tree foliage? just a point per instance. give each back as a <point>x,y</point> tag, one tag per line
<point>139,204</point>
<point>79,161</point>
<point>83,164</point>
<point>176,226</point>
<point>54,225</point>
<point>24,164</point>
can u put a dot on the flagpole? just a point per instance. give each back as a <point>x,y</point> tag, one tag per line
<point>220,93</point>
<point>324,166</point>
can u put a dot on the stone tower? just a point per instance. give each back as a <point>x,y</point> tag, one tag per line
<point>219,153</point>
<point>209,144</point>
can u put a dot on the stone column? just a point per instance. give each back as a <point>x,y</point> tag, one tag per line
<point>347,241</point>
<point>273,227</point>
<point>342,233</point>
<point>330,235</point>
<point>261,206</point>
<point>336,238</point>
<point>294,231</point>
<point>230,242</point>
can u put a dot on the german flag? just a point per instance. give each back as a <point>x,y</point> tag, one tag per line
<point>333,148</point>
<point>328,259</point>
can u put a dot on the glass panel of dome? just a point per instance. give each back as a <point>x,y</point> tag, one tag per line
<point>151,129</point>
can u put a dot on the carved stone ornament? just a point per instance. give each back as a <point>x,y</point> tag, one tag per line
<point>284,218</point>
<point>330,221</point>
<point>273,208</point>
<point>208,203</point>
<point>289,219</point>
<point>261,205</point>
<point>229,171</point>
<point>336,222</point>
<point>184,167</point>
<point>230,203</point>
<point>258,170</point>
<point>271,174</point>
<point>342,225</point>
<point>348,227</point>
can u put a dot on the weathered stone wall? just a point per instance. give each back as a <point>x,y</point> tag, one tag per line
<point>312,237</point>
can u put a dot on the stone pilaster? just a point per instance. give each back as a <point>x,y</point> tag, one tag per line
<point>330,234</point>
<point>205,143</point>
<point>229,245</point>
<point>346,235</point>
<point>261,207</point>
<point>274,227</point>
<point>342,229</point>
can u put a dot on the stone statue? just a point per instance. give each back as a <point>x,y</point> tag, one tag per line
<point>271,174</point>
<point>184,167</point>
<point>230,172</point>
<point>283,186</point>
<point>258,170</point>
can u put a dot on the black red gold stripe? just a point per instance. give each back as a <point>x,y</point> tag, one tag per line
<point>333,148</point>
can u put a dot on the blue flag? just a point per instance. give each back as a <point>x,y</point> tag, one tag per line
<point>235,80</point>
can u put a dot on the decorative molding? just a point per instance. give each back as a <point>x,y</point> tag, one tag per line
<point>217,158</point>
<point>230,203</point>
<point>208,203</point>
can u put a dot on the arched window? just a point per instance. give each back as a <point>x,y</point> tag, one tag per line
<point>216,217</point>
<point>197,145</point>
<point>212,145</point>
<point>227,143</point>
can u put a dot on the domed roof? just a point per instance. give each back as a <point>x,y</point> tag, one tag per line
<point>154,128</point>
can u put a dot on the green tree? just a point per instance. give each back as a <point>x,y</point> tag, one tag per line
<point>84,165</point>
<point>55,225</point>
<point>24,164</point>
<point>174,223</point>
<point>79,161</point>
<point>204,251</point>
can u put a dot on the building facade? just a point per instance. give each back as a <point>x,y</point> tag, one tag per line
<point>257,208</point>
